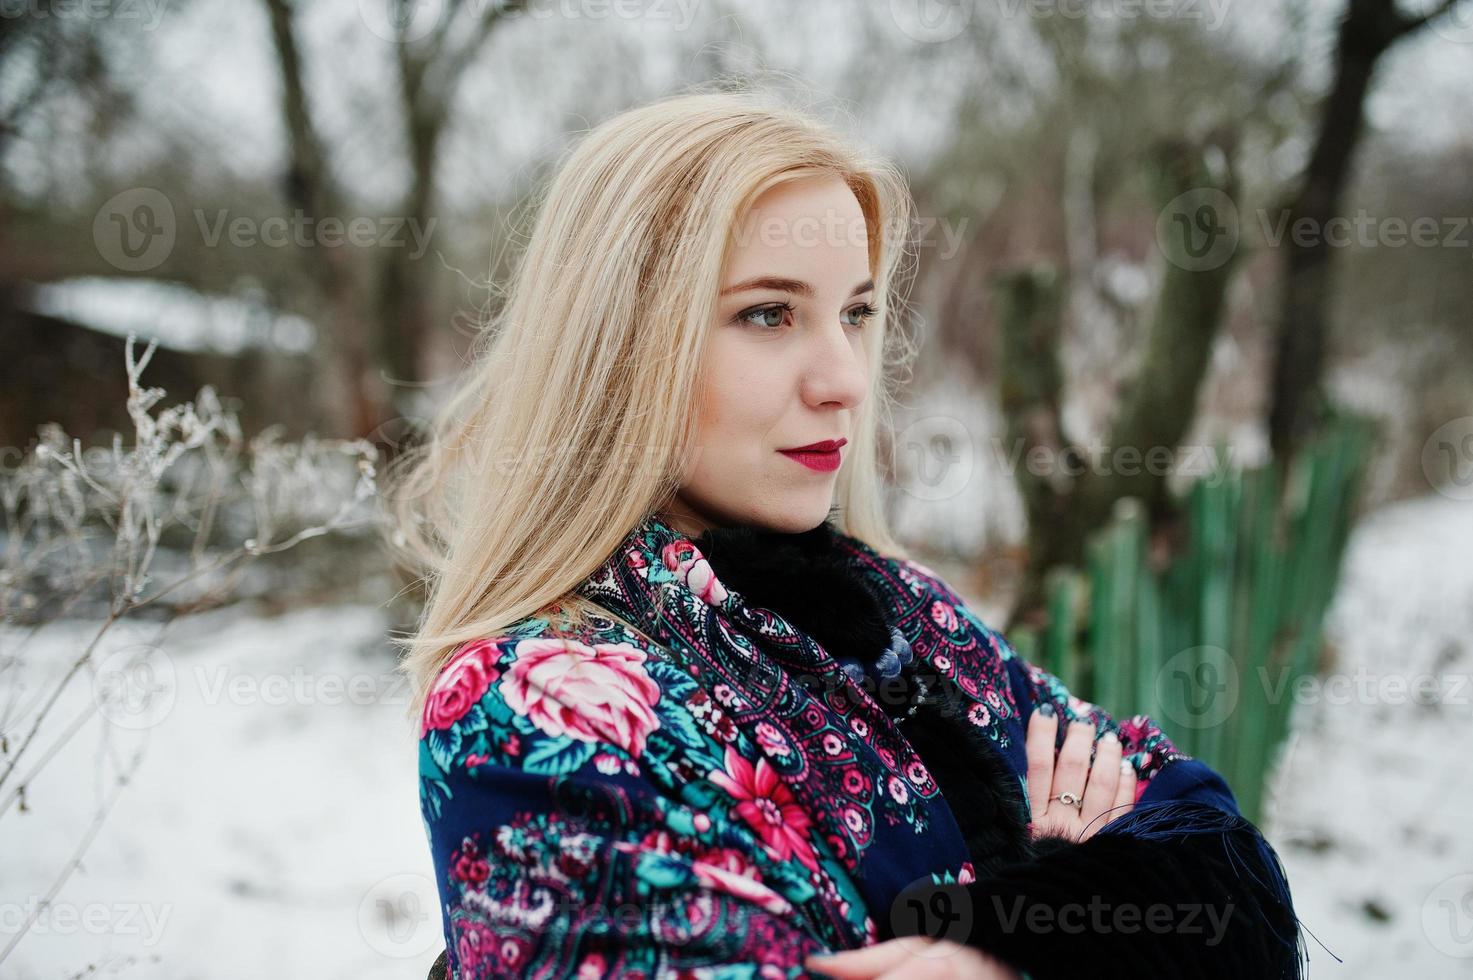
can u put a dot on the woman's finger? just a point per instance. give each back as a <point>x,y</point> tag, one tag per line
<point>869,962</point>
<point>954,961</point>
<point>1124,793</point>
<point>1072,769</point>
<point>1043,730</point>
<point>1104,780</point>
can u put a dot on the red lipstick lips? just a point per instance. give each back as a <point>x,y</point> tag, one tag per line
<point>822,456</point>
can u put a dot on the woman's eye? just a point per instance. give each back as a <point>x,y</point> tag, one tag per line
<point>767,315</point>
<point>772,317</point>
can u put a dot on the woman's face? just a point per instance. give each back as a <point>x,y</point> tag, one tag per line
<point>786,363</point>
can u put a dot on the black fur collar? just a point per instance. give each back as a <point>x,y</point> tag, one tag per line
<point>803,578</point>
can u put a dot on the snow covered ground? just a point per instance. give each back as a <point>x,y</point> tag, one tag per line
<point>1373,806</point>
<point>272,828</point>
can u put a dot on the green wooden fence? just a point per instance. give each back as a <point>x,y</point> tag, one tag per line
<point>1212,642</point>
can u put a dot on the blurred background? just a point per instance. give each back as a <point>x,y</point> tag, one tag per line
<point>1192,416</point>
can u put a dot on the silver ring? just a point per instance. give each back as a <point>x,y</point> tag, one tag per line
<point>1069,799</point>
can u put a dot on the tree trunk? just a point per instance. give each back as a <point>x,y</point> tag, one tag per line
<point>1368,30</point>
<point>1157,411</point>
<point>310,188</point>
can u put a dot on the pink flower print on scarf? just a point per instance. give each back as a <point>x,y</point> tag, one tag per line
<point>592,693</point>
<point>725,869</point>
<point>767,804</point>
<point>460,685</point>
<point>692,568</point>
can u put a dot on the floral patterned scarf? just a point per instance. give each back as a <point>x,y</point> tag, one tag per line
<point>656,790</point>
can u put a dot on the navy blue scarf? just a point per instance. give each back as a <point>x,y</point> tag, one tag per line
<point>1183,855</point>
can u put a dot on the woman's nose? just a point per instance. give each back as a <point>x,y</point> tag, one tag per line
<point>837,372</point>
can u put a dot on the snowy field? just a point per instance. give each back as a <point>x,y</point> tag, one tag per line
<point>272,827</point>
<point>1373,807</point>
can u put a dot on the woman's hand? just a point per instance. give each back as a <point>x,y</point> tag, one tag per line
<point>912,956</point>
<point>1107,790</point>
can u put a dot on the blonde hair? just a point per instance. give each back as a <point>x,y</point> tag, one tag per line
<point>571,426</point>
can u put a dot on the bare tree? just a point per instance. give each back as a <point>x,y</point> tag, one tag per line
<point>1160,400</point>
<point>430,72</point>
<point>391,331</point>
<point>1367,31</point>
<point>310,187</point>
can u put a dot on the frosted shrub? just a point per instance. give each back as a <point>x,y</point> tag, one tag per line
<point>146,529</point>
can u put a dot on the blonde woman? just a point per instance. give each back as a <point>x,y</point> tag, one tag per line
<point>685,706</point>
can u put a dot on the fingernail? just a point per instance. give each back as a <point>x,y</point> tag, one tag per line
<point>1125,766</point>
<point>1046,709</point>
<point>1110,737</point>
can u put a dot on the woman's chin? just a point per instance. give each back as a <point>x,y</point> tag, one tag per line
<point>801,516</point>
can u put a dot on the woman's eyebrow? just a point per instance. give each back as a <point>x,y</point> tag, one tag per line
<point>784,285</point>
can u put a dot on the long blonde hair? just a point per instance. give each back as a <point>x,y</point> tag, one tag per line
<point>572,423</point>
